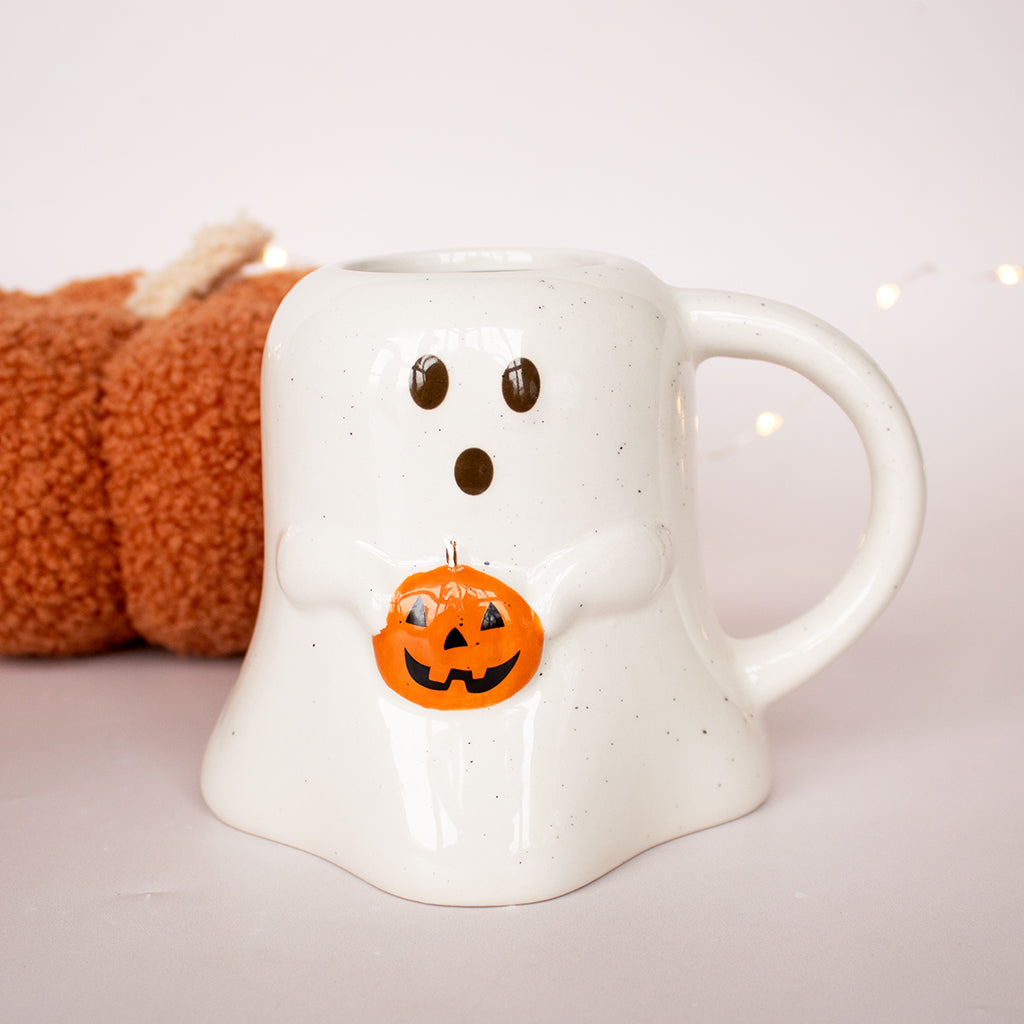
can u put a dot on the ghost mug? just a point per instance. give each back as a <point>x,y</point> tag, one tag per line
<point>485,668</point>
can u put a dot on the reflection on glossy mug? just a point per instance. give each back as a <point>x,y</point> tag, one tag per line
<point>486,669</point>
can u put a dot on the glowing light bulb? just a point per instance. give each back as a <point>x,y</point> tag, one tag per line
<point>767,423</point>
<point>1009,273</point>
<point>887,296</point>
<point>275,257</point>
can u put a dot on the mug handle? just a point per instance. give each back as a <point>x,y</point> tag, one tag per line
<point>746,327</point>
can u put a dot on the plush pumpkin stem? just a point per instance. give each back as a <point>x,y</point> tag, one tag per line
<point>218,252</point>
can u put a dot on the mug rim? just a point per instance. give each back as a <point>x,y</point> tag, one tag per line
<point>480,260</point>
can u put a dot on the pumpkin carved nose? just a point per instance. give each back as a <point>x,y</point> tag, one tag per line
<point>454,639</point>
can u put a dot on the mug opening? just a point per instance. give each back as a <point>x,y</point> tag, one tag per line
<point>476,261</point>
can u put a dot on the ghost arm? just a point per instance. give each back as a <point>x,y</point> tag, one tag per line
<point>321,566</point>
<point>613,569</point>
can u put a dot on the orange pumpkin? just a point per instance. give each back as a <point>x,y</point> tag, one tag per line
<point>457,638</point>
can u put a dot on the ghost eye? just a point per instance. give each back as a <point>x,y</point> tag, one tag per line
<point>520,385</point>
<point>492,618</point>
<point>417,614</point>
<point>428,382</point>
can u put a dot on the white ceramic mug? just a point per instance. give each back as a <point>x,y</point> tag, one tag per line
<point>486,669</point>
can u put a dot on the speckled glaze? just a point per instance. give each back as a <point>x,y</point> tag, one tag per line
<point>643,719</point>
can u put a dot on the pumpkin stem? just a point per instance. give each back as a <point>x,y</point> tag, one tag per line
<point>218,253</point>
<point>451,555</point>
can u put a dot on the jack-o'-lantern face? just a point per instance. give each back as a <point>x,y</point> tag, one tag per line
<point>457,638</point>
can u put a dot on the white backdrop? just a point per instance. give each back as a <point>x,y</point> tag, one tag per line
<point>808,151</point>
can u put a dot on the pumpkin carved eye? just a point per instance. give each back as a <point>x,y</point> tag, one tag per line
<point>492,618</point>
<point>417,614</point>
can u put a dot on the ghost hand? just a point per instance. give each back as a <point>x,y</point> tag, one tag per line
<point>321,566</point>
<point>614,569</point>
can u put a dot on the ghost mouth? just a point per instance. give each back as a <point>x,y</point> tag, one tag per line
<point>420,673</point>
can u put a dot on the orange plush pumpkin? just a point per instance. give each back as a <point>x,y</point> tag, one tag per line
<point>457,638</point>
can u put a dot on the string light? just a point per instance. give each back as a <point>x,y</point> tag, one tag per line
<point>1009,273</point>
<point>767,423</point>
<point>275,257</point>
<point>887,296</point>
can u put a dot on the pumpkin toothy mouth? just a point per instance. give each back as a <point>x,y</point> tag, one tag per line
<point>420,673</point>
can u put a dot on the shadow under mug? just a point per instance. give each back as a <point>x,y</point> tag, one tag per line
<point>486,669</point>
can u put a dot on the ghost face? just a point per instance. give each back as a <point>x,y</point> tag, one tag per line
<point>500,411</point>
<point>520,389</point>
